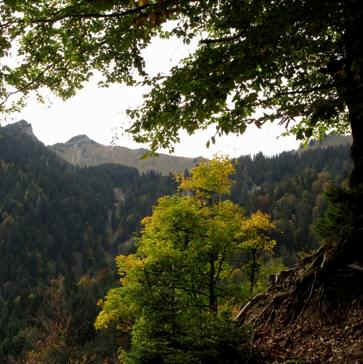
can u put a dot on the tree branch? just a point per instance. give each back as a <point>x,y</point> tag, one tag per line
<point>94,15</point>
<point>356,267</point>
<point>222,40</point>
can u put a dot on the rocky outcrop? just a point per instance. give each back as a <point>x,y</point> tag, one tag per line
<point>22,127</point>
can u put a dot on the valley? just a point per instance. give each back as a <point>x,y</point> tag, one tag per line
<point>61,225</point>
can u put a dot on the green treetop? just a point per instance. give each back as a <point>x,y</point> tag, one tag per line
<point>178,290</point>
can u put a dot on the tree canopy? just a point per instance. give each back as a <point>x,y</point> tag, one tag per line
<point>298,62</point>
<point>295,61</point>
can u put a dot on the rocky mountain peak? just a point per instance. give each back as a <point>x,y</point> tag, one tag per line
<point>80,140</point>
<point>22,127</point>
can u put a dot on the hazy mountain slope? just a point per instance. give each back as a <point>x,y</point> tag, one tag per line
<point>328,141</point>
<point>82,151</point>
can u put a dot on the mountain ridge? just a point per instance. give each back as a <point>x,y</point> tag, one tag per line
<point>82,151</point>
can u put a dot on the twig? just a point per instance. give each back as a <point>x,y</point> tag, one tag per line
<point>355,267</point>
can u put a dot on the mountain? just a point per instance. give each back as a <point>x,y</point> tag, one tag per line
<point>22,127</point>
<point>60,227</point>
<point>82,151</point>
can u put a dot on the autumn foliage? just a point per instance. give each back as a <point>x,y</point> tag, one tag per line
<point>179,289</point>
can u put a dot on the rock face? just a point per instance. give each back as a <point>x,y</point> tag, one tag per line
<point>22,127</point>
<point>82,151</point>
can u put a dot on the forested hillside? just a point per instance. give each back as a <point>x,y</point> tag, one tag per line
<point>291,187</point>
<point>61,226</point>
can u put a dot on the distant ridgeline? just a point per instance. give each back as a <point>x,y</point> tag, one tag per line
<point>83,151</point>
<point>61,226</point>
<point>328,141</point>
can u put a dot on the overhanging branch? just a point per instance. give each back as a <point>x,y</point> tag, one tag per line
<point>93,15</point>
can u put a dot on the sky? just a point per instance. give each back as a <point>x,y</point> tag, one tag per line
<point>100,114</point>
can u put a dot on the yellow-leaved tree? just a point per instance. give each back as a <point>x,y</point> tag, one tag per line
<point>178,290</point>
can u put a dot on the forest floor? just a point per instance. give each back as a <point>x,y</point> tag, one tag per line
<point>314,327</point>
<point>314,340</point>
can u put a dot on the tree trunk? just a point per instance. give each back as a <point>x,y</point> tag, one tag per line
<point>356,177</point>
<point>253,271</point>
<point>352,88</point>
<point>213,305</point>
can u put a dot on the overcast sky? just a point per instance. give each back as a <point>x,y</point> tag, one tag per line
<point>100,114</point>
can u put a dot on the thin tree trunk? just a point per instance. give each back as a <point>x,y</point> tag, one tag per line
<point>213,306</point>
<point>253,271</point>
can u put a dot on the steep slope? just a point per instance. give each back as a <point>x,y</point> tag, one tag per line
<point>82,151</point>
<point>312,313</point>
